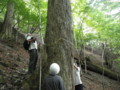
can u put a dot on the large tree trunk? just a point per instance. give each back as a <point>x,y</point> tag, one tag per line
<point>59,46</point>
<point>59,40</point>
<point>6,30</point>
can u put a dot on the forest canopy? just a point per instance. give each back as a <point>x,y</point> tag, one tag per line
<point>94,21</point>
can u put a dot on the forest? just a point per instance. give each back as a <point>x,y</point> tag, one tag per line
<point>86,30</point>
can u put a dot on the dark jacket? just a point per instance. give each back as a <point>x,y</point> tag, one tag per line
<point>54,82</point>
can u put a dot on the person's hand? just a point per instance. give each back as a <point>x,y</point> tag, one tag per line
<point>75,67</point>
<point>41,44</point>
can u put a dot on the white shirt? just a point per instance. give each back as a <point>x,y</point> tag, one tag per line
<point>77,78</point>
<point>33,45</point>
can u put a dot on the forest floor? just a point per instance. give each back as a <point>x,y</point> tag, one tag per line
<point>94,81</point>
<point>14,63</point>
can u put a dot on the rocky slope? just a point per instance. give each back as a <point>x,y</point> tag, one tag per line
<point>13,64</point>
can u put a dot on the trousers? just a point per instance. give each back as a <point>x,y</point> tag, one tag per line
<point>33,60</point>
<point>79,87</point>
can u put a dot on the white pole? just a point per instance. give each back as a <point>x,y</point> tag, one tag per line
<point>39,17</point>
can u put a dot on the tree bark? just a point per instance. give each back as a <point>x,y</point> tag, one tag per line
<point>6,30</point>
<point>59,40</point>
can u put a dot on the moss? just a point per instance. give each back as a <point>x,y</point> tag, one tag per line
<point>26,86</point>
<point>32,82</point>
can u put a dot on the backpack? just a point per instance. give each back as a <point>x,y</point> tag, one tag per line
<point>26,45</point>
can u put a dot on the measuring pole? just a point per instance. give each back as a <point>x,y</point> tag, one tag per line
<point>39,18</point>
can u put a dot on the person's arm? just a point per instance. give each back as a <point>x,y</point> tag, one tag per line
<point>31,40</point>
<point>77,68</point>
<point>62,87</point>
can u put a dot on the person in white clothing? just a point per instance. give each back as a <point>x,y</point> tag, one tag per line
<point>77,77</point>
<point>32,52</point>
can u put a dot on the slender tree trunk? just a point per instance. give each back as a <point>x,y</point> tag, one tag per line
<point>59,40</point>
<point>83,42</point>
<point>6,30</point>
<point>75,38</point>
<point>92,48</point>
<point>103,51</point>
<point>28,28</point>
<point>84,59</point>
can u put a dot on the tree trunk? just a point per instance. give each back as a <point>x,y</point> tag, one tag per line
<point>103,51</point>
<point>84,58</point>
<point>75,38</point>
<point>6,30</point>
<point>59,40</point>
<point>109,57</point>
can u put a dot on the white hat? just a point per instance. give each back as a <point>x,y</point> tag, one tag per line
<point>54,68</point>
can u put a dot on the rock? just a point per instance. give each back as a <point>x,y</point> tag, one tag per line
<point>18,82</point>
<point>25,86</point>
<point>2,49</point>
<point>9,86</point>
<point>3,87</point>
<point>4,64</point>
<point>1,72</point>
<point>10,65</point>
<point>2,80</point>
<point>19,58</point>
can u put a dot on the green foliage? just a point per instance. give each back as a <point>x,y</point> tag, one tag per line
<point>3,4</point>
<point>118,59</point>
<point>90,36</point>
<point>27,14</point>
<point>94,15</point>
<point>86,13</point>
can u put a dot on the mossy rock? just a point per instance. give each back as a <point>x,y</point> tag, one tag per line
<point>26,86</point>
<point>32,82</point>
<point>99,69</point>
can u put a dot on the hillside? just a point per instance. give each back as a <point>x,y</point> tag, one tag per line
<point>14,63</point>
